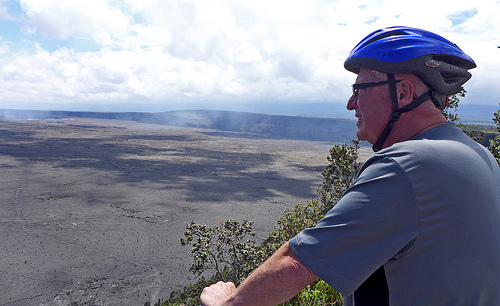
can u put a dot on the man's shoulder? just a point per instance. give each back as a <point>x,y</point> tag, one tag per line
<point>443,138</point>
<point>413,154</point>
<point>438,151</point>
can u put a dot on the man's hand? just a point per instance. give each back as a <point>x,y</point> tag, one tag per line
<point>277,280</point>
<point>217,293</point>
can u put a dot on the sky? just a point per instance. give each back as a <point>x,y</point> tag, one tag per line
<point>143,55</point>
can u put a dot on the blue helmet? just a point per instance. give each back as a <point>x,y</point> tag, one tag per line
<point>438,62</point>
<point>435,60</point>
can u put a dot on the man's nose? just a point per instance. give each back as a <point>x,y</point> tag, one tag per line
<point>351,103</point>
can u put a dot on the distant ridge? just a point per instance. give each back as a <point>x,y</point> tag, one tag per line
<point>252,124</point>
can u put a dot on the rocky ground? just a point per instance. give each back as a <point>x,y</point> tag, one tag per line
<point>92,210</point>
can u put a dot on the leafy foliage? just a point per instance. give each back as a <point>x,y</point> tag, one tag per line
<point>450,114</point>
<point>223,249</point>
<point>318,294</point>
<point>190,294</point>
<point>292,223</point>
<point>450,111</point>
<point>495,143</point>
<point>339,174</point>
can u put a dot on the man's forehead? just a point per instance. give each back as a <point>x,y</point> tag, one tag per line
<point>371,75</point>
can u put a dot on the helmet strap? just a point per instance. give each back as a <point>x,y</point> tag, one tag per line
<point>396,112</point>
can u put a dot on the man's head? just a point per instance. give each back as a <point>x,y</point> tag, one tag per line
<point>413,65</point>
<point>371,102</point>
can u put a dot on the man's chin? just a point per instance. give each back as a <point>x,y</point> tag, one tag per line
<point>360,135</point>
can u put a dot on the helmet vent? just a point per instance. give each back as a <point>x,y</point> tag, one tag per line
<point>385,35</point>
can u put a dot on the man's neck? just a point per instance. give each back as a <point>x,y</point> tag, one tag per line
<point>409,126</point>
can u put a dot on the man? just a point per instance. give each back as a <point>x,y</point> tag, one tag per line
<point>421,223</point>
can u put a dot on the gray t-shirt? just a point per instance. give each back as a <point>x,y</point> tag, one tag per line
<point>428,211</point>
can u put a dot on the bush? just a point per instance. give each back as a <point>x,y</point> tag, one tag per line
<point>292,223</point>
<point>223,249</point>
<point>318,293</point>
<point>450,111</point>
<point>495,143</point>
<point>226,250</point>
<point>189,296</point>
<point>339,175</point>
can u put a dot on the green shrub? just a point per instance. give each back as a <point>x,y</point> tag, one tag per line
<point>318,293</point>
<point>339,174</point>
<point>226,250</point>
<point>450,111</point>
<point>223,248</point>
<point>189,295</point>
<point>495,143</point>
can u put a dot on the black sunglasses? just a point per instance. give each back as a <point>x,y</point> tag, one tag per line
<point>356,87</point>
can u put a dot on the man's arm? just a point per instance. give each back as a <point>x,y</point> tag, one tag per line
<point>277,280</point>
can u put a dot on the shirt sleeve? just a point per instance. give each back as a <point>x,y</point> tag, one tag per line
<point>375,221</point>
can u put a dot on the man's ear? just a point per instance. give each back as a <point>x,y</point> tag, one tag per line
<point>406,92</point>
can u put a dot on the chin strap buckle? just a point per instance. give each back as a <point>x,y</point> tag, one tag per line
<point>395,116</point>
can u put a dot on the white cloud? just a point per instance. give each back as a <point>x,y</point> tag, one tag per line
<point>157,51</point>
<point>62,19</point>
